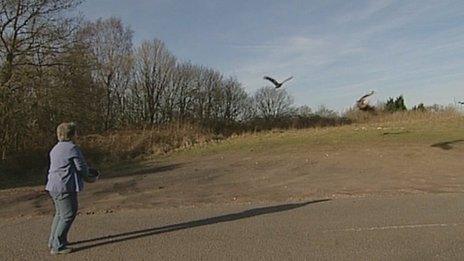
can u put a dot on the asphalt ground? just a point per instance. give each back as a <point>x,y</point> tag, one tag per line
<point>406,227</point>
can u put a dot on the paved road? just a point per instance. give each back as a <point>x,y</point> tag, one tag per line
<point>414,227</point>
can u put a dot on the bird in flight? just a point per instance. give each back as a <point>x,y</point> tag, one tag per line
<point>363,104</point>
<point>276,83</point>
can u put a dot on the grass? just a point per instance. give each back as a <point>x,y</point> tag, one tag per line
<point>394,130</point>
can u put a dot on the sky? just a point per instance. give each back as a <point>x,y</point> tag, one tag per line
<point>337,50</point>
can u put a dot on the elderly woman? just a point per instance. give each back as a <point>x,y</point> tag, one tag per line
<point>67,171</point>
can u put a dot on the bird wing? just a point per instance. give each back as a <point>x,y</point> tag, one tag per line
<point>271,80</point>
<point>288,79</point>
<point>365,96</point>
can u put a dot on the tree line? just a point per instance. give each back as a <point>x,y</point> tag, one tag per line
<point>57,67</point>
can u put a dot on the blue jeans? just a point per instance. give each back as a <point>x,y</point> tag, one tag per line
<point>65,212</point>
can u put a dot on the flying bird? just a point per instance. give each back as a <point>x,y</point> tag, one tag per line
<point>461,102</point>
<point>363,103</point>
<point>276,83</point>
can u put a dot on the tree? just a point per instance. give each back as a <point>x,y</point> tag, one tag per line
<point>234,101</point>
<point>32,36</point>
<point>31,32</point>
<point>325,112</point>
<point>271,103</point>
<point>184,90</point>
<point>397,104</point>
<point>304,111</point>
<point>73,94</point>
<point>390,105</point>
<point>419,107</point>
<point>154,67</point>
<point>111,45</point>
<point>207,93</point>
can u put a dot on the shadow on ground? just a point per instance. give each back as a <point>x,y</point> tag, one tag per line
<point>140,169</point>
<point>16,180</point>
<point>122,187</point>
<point>394,133</point>
<point>100,241</point>
<point>446,145</point>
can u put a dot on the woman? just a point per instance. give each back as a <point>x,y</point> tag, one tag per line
<point>67,171</point>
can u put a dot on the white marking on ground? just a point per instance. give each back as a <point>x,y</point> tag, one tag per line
<point>361,229</point>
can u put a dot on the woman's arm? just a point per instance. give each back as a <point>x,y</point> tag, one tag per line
<point>87,174</point>
<point>79,161</point>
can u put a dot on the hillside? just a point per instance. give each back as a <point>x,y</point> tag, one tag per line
<point>403,156</point>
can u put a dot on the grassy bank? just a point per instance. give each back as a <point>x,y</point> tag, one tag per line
<point>115,150</point>
<point>383,130</point>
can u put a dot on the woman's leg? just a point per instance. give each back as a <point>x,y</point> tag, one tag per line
<point>69,217</point>
<point>67,204</point>
<point>56,219</point>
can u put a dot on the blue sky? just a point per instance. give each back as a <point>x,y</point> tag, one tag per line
<point>337,50</point>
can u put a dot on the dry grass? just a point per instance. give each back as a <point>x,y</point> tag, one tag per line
<point>443,114</point>
<point>107,150</point>
<point>123,146</point>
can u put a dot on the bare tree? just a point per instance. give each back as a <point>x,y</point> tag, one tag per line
<point>185,77</point>
<point>325,112</point>
<point>154,65</point>
<point>178,97</point>
<point>111,44</point>
<point>31,31</point>
<point>234,101</point>
<point>32,34</point>
<point>304,111</point>
<point>207,93</point>
<point>271,103</point>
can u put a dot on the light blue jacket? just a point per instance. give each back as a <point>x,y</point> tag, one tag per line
<point>67,167</point>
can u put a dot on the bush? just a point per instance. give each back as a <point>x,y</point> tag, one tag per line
<point>430,113</point>
<point>419,107</point>
<point>395,105</point>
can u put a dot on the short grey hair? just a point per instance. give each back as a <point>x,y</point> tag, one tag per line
<point>66,131</point>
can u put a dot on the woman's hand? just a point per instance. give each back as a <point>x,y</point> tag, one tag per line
<point>93,176</point>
